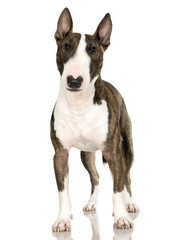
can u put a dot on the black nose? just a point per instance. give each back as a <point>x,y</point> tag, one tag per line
<point>74,82</point>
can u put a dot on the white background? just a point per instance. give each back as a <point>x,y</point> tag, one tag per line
<point>145,63</point>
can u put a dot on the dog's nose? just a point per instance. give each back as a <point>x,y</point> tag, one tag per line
<point>74,82</point>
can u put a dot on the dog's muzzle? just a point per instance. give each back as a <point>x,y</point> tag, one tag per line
<point>74,83</point>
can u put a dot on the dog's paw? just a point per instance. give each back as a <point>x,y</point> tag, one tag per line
<point>123,223</point>
<point>62,225</point>
<point>132,207</point>
<point>90,206</point>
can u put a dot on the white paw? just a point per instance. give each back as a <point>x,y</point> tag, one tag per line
<point>62,225</point>
<point>132,207</point>
<point>123,223</point>
<point>90,206</point>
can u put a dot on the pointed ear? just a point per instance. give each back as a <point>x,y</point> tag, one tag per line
<point>64,25</point>
<point>103,31</point>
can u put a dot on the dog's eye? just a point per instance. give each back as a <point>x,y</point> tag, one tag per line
<point>92,49</point>
<point>66,46</point>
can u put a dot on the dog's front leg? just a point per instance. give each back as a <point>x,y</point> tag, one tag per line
<point>63,221</point>
<point>116,163</point>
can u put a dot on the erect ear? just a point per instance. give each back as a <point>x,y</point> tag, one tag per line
<point>64,25</point>
<point>103,31</point>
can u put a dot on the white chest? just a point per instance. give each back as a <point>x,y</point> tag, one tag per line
<point>84,129</point>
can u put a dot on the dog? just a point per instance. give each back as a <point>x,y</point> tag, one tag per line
<point>90,115</point>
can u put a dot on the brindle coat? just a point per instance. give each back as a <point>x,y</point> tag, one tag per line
<point>118,150</point>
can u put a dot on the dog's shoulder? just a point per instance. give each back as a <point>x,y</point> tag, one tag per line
<point>112,97</point>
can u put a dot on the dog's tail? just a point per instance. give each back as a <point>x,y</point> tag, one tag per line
<point>104,160</point>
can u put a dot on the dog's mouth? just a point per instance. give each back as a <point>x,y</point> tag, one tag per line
<point>74,90</point>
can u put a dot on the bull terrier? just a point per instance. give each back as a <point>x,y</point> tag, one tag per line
<point>90,115</point>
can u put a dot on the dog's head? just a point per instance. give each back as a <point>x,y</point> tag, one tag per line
<point>80,57</point>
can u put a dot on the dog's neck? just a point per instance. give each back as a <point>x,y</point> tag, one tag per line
<point>78,101</point>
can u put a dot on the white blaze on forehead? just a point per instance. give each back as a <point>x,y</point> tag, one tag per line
<point>78,65</point>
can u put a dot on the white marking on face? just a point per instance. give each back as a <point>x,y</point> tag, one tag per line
<point>78,65</point>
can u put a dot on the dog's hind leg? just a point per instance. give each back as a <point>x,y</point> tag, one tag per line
<point>127,147</point>
<point>88,160</point>
<point>128,155</point>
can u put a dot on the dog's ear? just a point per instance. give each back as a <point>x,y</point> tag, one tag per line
<point>103,31</point>
<point>64,25</point>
